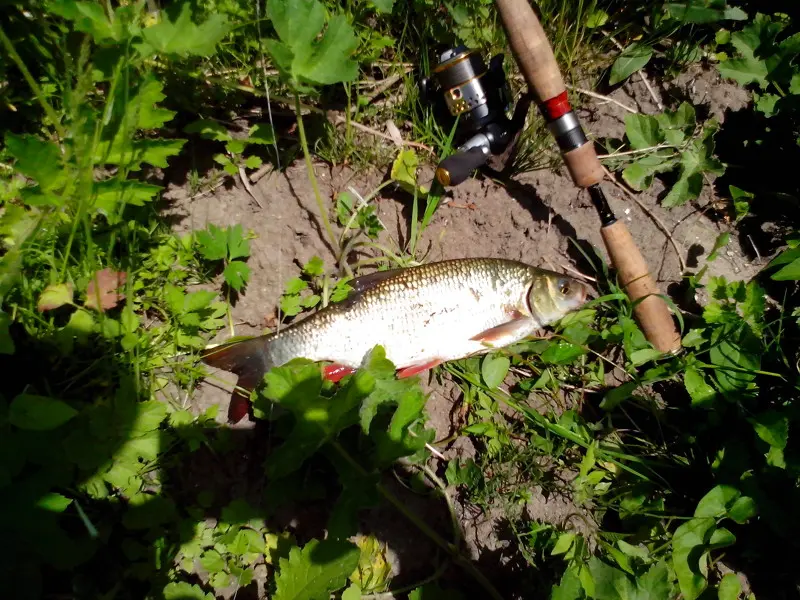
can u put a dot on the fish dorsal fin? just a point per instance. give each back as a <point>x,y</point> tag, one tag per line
<point>366,282</point>
<point>506,333</point>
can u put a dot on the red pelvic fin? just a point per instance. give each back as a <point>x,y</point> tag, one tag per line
<point>335,373</point>
<point>238,409</point>
<point>504,332</point>
<point>412,370</point>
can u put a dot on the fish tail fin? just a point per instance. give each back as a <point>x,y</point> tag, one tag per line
<point>249,360</point>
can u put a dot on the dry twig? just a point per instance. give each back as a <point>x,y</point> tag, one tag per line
<point>592,94</point>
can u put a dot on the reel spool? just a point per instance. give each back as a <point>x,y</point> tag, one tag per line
<point>475,98</point>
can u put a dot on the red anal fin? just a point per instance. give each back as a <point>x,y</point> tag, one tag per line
<point>501,333</point>
<point>238,409</point>
<point>335,373</point>
<point>415,369</point>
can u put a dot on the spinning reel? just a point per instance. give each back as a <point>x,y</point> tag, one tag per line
<point>465,93</point>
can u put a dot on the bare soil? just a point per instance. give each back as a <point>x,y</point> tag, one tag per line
<point>531,219</point>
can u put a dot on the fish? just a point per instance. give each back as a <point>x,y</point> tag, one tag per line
<point>423,316</point>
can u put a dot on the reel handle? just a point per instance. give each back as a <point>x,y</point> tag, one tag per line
<point>457,167</point>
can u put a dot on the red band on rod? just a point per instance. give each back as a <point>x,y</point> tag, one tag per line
<point>555,107</point>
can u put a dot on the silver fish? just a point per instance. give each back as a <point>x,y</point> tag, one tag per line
<point>422,316</point>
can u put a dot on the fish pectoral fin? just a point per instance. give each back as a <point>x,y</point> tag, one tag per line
<point>505,333</point>
<point>412,370</point>
<point>335,372</point>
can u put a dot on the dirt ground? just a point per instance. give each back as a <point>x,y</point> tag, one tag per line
<point>530,220</point>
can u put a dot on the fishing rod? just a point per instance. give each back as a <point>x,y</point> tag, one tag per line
<point>479,98</point>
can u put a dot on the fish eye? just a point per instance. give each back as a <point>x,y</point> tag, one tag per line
<point>564,287</point>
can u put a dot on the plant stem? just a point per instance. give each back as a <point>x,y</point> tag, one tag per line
<point>452,550</point>
<point>37,91</point>
<point>311,176</point>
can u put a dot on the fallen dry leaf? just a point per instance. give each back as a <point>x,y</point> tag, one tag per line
<point>105,286</point>
<point>54,296</point>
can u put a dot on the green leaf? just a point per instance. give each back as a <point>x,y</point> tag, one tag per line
<point>494,369</point>
<point>39,160</point>
<point>185,591</point>
<point>597,18</point>
<point>178,34</point>
<point>315,571</point>
<point>737,354</point>
<point>55,296</point>
<point>53,502</point>
<point>688,558</point>
<point>729,588</point>
<point>790,272</point>
<point>700,391</point>
<point>721,241</point>
<point>569,588</point>
<point>212,561</point>
<point>643,131</point>
<point>87,17</point>
<point>655,584</point>
<point>562,353</point>
<point>717,501</point>
<point>772,427</point>
<point>6,343</point>
<point>693,12</point>
<point>633,58</point>
<point>302,54</point>
<point>213,242</point>
<point>261,133</point>
<point>238,246</point>
<point>314,267</point>
<point>208,129</point>
<point>252,162</point>
<point>236,274</point>
<point>353,592</point>
<point>563,544</point>
<point>688,187</point>
<point>39,413</point>
<point>743,510</point>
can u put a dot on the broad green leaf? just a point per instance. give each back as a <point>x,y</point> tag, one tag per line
<point>743,509</point>
<point>55,296</point>
<point>655,584</point>
<point>569,588</point>
<point>295,286</point>
<point>53,502</point>
<point>213,242</point>
<point>737,354</point>
<point>261,133</point>
<point>236,274</point>
<point>721,241</point>
<point>633,58</point>
<point>353,592</point>
<point>717,501</point>
<point>494,369</point>
<point>562,353</point>
<point>37,159</point>
<point>303,55</point>
<point>316,570</point>
<point>238,246</point>
<point>181,590</point>
<point>639,174</point>
<point>6,343</point>
<point>790,272</point>
<point>252,162</point>
<point>772,427</point>
<point>688,187</point>
<point>597,18</point>
<point>212,561</point>
<point>721,538</point>
<point>178,34</point>
<point>619,394</point>
<point>643,131</point>
<point>729,588</point>
<point>39,413</point>
<point>563,544</point>
<point>210,130</point>
<point>314,267</point>
<point>112,195</point>
<point>750,67</point>
<point>88,17</point>
<point>688,558</point>
<point>700,391</point>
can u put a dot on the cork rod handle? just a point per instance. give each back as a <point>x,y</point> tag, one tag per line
<point>652,312</point>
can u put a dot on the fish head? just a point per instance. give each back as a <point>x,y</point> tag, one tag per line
<point>552,295</point>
